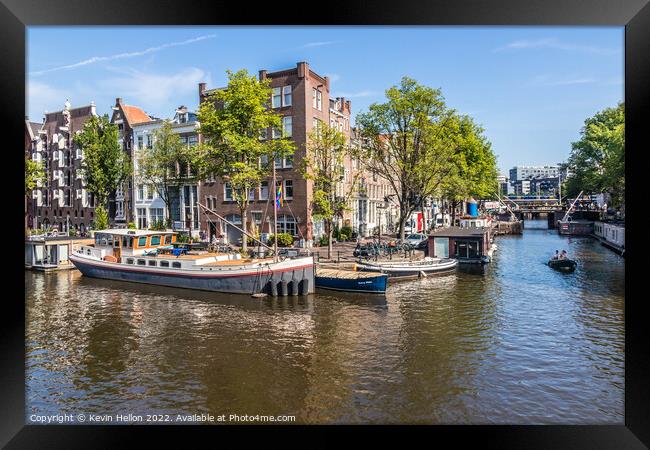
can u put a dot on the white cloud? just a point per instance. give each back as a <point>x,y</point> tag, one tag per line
<point>41,97</point>
<point>154,91</point>
<point>545,80</point>
<point>356,94</point>
<point>95,59</point>
<point>319,44</point>
<point>333,77</point>
<point>556,44</point>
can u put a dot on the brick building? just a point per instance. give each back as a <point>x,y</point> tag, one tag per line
<point>61,201</point>
<point>302,97</point>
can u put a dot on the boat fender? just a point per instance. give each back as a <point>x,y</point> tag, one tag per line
<point>273,288</point>
<point>422,274</point>
<point>294,287</point>
<point>305,287</point>
<point>284,288</point>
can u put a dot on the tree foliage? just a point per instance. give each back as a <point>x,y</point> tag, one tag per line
<point>422,147</point>
<point>327,150</point>
<point>232,122</point>
<point>104,166</point>
<point>34,172</point>
<point>597,161</point>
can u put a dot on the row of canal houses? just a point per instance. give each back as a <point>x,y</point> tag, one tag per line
<point>300,96</point>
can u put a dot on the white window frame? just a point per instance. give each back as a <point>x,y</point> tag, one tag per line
<point>286,93</point>
<point>284,189</point>
<point>285,120</point>
<point>264,196</point>
<point>226,187</point>
<point>276,94</point>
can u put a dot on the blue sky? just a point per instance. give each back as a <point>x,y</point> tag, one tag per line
<point>530,87</point>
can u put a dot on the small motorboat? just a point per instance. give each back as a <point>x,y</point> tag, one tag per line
<point>351,281</point>
<point>562,265</point>
<point>409,269</point>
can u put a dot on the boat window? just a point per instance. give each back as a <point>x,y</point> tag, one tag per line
<point>142,241</point>
<point>164,263</point>
<point>129,260</point>
<point>155,240</point>
<point>116,242</point>
<point>152,262</point>
<point>97,238</point>
<point>141,262</point>
<point>168,239</point>
<point>176,264</point>
<point>103,240</point>
<point>125,241</point>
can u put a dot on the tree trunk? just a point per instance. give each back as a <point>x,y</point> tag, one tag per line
<point>244,238</point>
<point>453,212</point>
<point>330,232</point>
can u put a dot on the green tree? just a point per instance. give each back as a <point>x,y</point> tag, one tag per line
<point>166,164</point>
<point>410,141</point>
<point>475,166</point>
<point>233,122</point>
<point>327,150</point>
<point>34,173</point>
<point>597,160</point>
<point>105,166</point>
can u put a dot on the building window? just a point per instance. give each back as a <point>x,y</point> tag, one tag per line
<point>319,105</point>
<point>288,162</point>
<point>286,126</point>
<point>156,215</point>
<point>141,192</point>
<point>257,217</point>
<point>276,132</point>
<point>142,218</point>
<point>286,96</point>
<point>227,192</point>
<point>316,125</point>
<point>277,98</point>
<point>264,134</point>
<point>264,190</point>
<point>286,224</point>
<point>313,97</point>
<point>251,194</point>
<point>150,190</point>
<point>192,140</point>
<point>140,142</point>
<point>288,189</point>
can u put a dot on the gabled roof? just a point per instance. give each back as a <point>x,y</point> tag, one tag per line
<point>32,128</point>
<point>135,115</point>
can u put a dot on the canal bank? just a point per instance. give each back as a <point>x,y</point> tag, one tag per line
<point>517,343</point>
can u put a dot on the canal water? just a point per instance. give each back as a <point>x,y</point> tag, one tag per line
<point>517,343</point>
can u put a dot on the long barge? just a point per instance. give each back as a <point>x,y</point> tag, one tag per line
<point>150,257</point>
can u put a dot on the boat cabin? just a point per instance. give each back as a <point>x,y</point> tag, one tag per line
<point>152,249</point>
<point>469,245</point>
<point>475,222</point>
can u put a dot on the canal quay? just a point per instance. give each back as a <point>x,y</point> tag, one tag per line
<point>513,343</point>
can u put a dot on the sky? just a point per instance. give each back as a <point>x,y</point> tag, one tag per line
<point>531,88</point>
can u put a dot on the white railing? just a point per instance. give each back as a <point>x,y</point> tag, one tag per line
<point>91,251</point>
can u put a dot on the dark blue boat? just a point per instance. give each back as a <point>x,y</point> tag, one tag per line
<point>351,281</point>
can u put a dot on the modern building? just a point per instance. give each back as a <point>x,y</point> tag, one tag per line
<point>61,201</point>
<point>120,207</point>
<point>504,185</point>
<point>148,206</point>
<point>544,186</point>
<point>302,97</point>
<point>519,173</point>
<point>521,187</point>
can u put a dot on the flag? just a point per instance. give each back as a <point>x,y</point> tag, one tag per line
<point>279,200</point>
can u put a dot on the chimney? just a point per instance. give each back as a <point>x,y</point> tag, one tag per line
<point>93,110</point>
<point>118,101</point>
<point>201,90</point>
<point>303,70</point>
<point>263,74</point>
<point>327,83</point>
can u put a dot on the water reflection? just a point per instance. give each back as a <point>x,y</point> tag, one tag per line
<point>512,342</point>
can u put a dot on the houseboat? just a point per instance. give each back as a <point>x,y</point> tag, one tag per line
<point>611,235</point>
<point>351,281</point>
<point>471,245</point>
<point>151,257</point>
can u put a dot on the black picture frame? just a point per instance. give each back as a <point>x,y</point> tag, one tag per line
<point>16,15</point>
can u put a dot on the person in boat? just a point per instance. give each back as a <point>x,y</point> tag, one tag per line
<point>564,254</point>
<point>557,254</point>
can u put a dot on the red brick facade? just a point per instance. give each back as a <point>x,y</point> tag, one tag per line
<point>303,82</point>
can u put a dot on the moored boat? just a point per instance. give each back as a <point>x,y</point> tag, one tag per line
<point>562,265</point>
<point>409,269</point>
<point>351,281</point>
<point>151,257</point>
